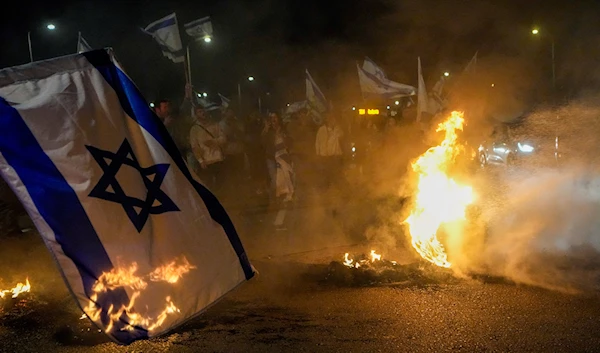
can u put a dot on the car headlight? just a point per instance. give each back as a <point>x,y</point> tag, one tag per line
<point>525,147</point>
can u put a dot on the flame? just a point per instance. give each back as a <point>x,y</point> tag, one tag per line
<point>17,290</point>
<point>439,199</point>
<point>171,272</point>
<point>126,277</point>
<point>348,262</point>
<point>375,256</point>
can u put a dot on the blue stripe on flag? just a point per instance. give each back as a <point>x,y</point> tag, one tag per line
<point>166,23</point>
<point>136,107</point>
<point>58,204</point>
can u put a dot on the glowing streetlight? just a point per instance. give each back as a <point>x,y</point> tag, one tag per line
<point>446,74</point>
<point>535,31</point>
<point>207,39</point>
<point>151,105</point>
<point>250,78</point>
<point>353,108</point>
<point>288,104</point>
<point>388,107</point>
<point>204,94</point>
<point>397,102</point>
<point>493,85</point>
<point>199,95</point>
<point>51,26</point>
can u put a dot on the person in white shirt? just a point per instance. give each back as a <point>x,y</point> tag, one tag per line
<point>328,147</point>
<point>207,141</point>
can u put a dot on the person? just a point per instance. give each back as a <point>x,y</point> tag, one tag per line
<point>302,131</point>
<point>207,141</point>
<point>281,172</point>
<point>235,156</point>
<point>328,147</point>
<point>164,111</point>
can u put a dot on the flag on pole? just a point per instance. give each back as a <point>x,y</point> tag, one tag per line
<point>82,45</point>
<point>207,104</point>
<point>166,33</point>
<point>472,65</point>
<point>373,82</point>
<point>224,101</point>
<point>200,28</point>
<point>142,245</point>
<point>317,104</point>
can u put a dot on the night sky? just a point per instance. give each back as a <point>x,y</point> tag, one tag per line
<point>275,40</point>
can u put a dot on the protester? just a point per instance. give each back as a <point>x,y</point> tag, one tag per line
<point>302,132</point>
<point>207,141</point>
<point>329,150</point>
<point>281,172</point>
<point>235,156</point>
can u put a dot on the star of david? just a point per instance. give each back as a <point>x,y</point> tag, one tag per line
<point>109,189</point>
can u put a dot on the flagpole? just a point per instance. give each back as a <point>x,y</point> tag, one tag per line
<point>189,64</point>
<point>240,98</point>
<point>29,42</point>
<point>78,41</point>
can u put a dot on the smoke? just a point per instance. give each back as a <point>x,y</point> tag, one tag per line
<point>537,224</point>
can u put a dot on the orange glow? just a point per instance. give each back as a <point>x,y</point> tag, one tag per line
<point>126,277</point>
<point>438,199</point>
<point>17,290</point>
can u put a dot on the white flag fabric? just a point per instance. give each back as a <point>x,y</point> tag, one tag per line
<point>166,33</point>
<point>142,245</point>
<point>82,45</point>
<point>199,28</point>
<point>207,104</point>
<point>472,65</point>
<point>224,101</point>
<point>373,82</point>
<point>317,104</point>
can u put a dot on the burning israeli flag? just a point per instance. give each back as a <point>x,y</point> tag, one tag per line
<point>142,245</point>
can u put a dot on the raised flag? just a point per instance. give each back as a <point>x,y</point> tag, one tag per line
<point>373,82</point>
<point>166,33</point>
<point>82,45</point>
<point>141,243</point>
<point>200,28</point>
<point>317,104</point>
<point>472,65</point>
<point>224,101</point>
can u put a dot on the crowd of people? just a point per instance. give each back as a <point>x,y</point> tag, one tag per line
<point>268,155</point>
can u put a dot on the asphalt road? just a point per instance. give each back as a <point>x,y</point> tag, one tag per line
<point>291,307</point>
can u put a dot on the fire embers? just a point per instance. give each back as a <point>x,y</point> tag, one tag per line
<point>126,277</point>
<point>374,270</point>
<point>438,198</point>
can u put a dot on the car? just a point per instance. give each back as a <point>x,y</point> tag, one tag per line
<point>505,149</point>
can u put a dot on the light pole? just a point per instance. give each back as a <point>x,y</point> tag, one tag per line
<point>250,79</point>
<point>536,32</point>
<point>50,27</point>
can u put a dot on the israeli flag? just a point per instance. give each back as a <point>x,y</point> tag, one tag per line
<point>200,28</point>
<point>82,45</point>
<point>317,104</point>
<point>374,82</point>
<point>224,101</point>
<point>142,245</point>
<point>166,33</point>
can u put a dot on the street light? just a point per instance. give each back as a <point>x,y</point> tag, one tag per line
<point>50,27</point>
<point>397,102</point>
<point>536,31</point>
<point>204,94</point>
<point>446,74</point>
<point>207,39</point>
<point>250,78</point>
